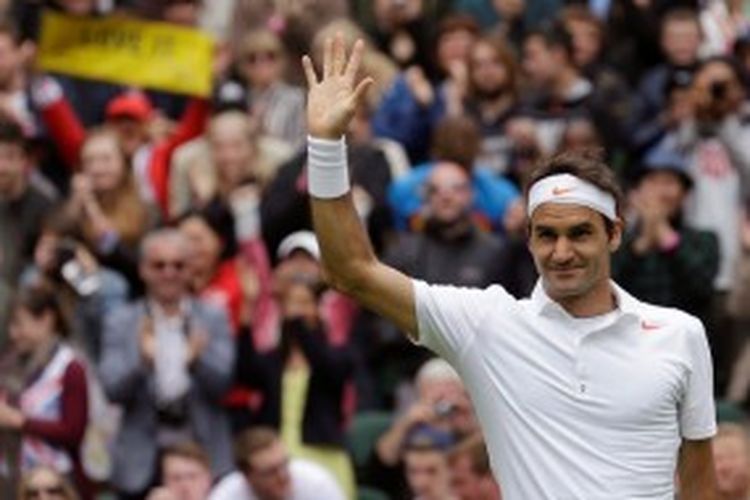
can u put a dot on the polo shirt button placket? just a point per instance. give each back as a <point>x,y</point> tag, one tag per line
<point>580,370</point>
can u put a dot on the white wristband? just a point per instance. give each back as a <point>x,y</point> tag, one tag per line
<point>327,170</point>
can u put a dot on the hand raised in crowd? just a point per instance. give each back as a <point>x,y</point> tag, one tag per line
<point>161,493</point>
<point>197,343</point>
<point>10,418</point>
<point>716,93</point>
<point>147,340</point>
<point>420,86</point>
<point>333,100</point>
<point>656,231</point>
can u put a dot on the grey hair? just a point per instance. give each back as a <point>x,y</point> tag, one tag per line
<point>436,370</point>
<point>167,234</point>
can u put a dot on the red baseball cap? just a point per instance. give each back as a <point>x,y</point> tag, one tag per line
<point>131,104</point>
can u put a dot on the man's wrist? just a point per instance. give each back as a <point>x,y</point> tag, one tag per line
<point>327,170</point>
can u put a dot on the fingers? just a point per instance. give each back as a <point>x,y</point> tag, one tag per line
<point>339,54</point>
<point>352,67</point>
<point>310,75</point>
<point>328,57</point>
<point>359,93</point>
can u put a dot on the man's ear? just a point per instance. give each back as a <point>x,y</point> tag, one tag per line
<point>615,238</point>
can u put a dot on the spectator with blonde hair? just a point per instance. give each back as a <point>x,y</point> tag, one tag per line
<point>42,483</point>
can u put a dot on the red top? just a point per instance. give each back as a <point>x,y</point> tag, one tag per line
<point>69,135</point>
<point>68,431</point>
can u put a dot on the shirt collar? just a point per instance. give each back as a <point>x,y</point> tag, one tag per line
<point>544,305</point>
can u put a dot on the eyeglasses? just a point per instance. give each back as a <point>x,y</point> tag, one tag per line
<point>50,491</point>
<point>161,265</point>
<point>261,56</point>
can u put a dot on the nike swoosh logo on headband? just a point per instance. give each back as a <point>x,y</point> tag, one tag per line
<point>559,191</point>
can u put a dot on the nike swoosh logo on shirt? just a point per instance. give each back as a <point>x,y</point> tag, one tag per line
<point>649,326</point>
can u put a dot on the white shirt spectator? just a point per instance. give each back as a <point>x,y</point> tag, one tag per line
<point>575,408</point>
<point>310,481</point>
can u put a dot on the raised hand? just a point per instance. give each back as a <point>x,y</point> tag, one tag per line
<point>333,99</point>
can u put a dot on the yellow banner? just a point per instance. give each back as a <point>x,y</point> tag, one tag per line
<point>131,52</point>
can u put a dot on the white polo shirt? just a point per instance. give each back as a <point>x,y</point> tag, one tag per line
<point>590,409</point>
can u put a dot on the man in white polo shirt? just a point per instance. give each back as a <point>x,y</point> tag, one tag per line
<point>582,391</point>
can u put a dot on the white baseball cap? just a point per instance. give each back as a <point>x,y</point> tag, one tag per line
<point>299,240</point>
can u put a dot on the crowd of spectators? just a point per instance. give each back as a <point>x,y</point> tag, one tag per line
<point>166,332</point>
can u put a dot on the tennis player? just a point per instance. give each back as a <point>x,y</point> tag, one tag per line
<point>582,391</point>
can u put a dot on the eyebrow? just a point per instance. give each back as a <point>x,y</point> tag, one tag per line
<point>575,227</point>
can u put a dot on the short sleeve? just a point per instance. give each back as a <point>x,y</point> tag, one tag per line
<point>449,317</point>
<point>697,411</point>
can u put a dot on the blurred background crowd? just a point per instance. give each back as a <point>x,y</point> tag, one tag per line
<point>165,327</point>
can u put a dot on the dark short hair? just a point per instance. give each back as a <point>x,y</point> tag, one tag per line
<point>555,36</point>
<point>475,449</point>
<point>220,220</point>
<point>680,15</point>
<point>188,450</point>
<point>38,300</point>
<point>457,139</point>
<point>586,164</point>
<point>251,442</point>
<point>10,30</point>
<point>11,133</point>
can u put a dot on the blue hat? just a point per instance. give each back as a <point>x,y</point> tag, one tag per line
<point>662,158</point>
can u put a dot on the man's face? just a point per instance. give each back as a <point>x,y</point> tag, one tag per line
<point>540,62</point>
<point>571,248</point>
<point>732,466</point>
<point>449,194</point>
<point>269,473</point>
<point>468,485</point>
<point>680,42</point>
<point>231,149</point>
<point>10,60</point>
<point>489,76</point>
<point>12,167</point>
<point>186,478</point>
<point>163,269</point>
<point>131,133</point>
<point>587,42</point>
<point>427,474</point>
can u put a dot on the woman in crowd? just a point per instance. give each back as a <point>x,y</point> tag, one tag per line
<point>105,199</point>
<point>43,483</point>
<point>44,410</point>
<point>303,381</point>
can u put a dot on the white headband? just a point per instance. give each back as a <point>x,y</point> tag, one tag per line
<point>570,190</point>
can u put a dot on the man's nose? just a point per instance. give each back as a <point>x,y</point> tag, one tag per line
<point>563,250</point>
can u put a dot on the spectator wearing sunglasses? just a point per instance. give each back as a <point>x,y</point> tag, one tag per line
<point>44,483</point>
<point>276,107</point>
<point>167,359</point>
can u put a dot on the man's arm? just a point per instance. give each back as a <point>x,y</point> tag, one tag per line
<point>348,259</point>
<point>696,470</point>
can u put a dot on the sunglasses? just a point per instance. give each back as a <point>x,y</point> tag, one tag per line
<point>161,265</point>
<point>261,56</point>
<point>33,493</point>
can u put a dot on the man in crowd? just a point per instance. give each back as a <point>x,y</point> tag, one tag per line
<point>22,204</point>
<point>470,471</point>
<point>167,359</point>
<point>544,367</point>
<point>427,471</point>
<point>185,473</point>
<point>266,472</point>
<point>732,457</point>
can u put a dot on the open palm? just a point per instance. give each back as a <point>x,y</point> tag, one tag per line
<point>333,99</point>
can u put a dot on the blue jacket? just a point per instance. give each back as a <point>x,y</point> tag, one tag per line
<point>492,195</point>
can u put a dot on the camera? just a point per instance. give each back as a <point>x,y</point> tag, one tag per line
<point>719,90</point>
<point>444,408</point>
<point>72,271</point>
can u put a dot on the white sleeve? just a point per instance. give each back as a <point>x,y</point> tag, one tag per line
<point>311,481</point>
<point>697,411</point>
<point>449,317</point>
